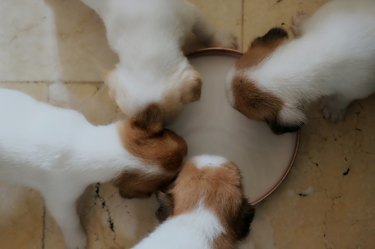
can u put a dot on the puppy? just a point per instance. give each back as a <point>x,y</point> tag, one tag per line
<point>58,152</point>
<point>205,208</point>
<point>333,57</point>
<point>147,36</point>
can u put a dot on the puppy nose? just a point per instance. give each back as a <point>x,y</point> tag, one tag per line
<point>282,129</point>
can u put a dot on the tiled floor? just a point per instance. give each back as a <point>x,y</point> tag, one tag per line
<point>328,200</point>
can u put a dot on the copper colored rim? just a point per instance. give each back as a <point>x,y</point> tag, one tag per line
<point>236,53</point>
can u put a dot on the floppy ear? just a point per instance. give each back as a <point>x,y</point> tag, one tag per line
<point>243,220</point>
<point>166,205</point>
<point>273,36</point>
<point>150,120</point>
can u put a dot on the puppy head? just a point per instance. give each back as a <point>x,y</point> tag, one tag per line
<point>160,153</point>
<point>216,183</point>
<point>171,90</point>
<point>253,100</point>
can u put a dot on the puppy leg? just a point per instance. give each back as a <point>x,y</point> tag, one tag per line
<point>211,37</point>
<point>297,23</point>
<point>334,107</point>
<point>65,214</point>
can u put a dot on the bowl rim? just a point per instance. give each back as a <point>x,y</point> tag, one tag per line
<point>236,53</point>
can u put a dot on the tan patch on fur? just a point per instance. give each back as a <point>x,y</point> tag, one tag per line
<point>262,47</point>
<point>193,92</point>
<point>138,184</point>
<point>170,106</point>
<point>144,136</point>
<point>249,99</point>
<point>221,191</point>
<point>252,102</point>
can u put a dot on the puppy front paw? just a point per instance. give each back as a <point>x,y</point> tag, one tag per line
<point>297,23</point>
<point>224,39</point>
<point>192,87</point>
<point>332,109</point>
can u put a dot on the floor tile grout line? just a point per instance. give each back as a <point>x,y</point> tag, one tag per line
<point>242,24</point>
<point>51,81</point>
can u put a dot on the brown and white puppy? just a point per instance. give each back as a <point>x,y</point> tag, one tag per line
<point>205,208</point>
<point>245,95</point>
<point>332,57</point>
<point>59,153</point>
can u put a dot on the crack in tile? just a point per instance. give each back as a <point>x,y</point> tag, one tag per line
<point>243,25</point>
<point>104,206</point>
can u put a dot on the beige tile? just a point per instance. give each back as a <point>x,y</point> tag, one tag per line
<point>21,218</point>
<point>114,222</point>
<point>91,99</point>
<point>322,204</point>
<point>84,53</point>
<point>262,15</point>
<point>56,40</point>
<point>223,14</point>
<point>36,90</point>
<point>109,220</point>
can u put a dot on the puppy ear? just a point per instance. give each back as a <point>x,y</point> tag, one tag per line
<point>243,220</point>
<point>166,205</point>
<point>150,120</point>
<point>273,36</point>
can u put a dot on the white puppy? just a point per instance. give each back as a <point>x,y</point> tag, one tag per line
<point>205,208</point>
<point>58,152</point>
<point>333,57</point>
<point>148,36</point>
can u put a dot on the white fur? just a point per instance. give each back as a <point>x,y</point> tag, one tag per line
<point>196,229</point>
<point>334,56</point>
<point>147,36</point>
<point>209,161</point>
<point>58,152</point>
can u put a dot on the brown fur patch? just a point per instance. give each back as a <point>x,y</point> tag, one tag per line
<point>249,99</point>
<point>138,184</point>
<point>144,136</point>
<point>262,47</point>
<point>254,103</point>
<point>222,192</point>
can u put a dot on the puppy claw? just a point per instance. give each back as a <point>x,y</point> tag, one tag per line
<point>331,111</point>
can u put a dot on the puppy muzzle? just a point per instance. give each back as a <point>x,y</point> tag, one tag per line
<point>280,129</point>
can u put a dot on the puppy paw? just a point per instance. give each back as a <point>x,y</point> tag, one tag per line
<point>191,89</point>
<point>224,39</point>
<point>297,23</point>
<point>332,110</point>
